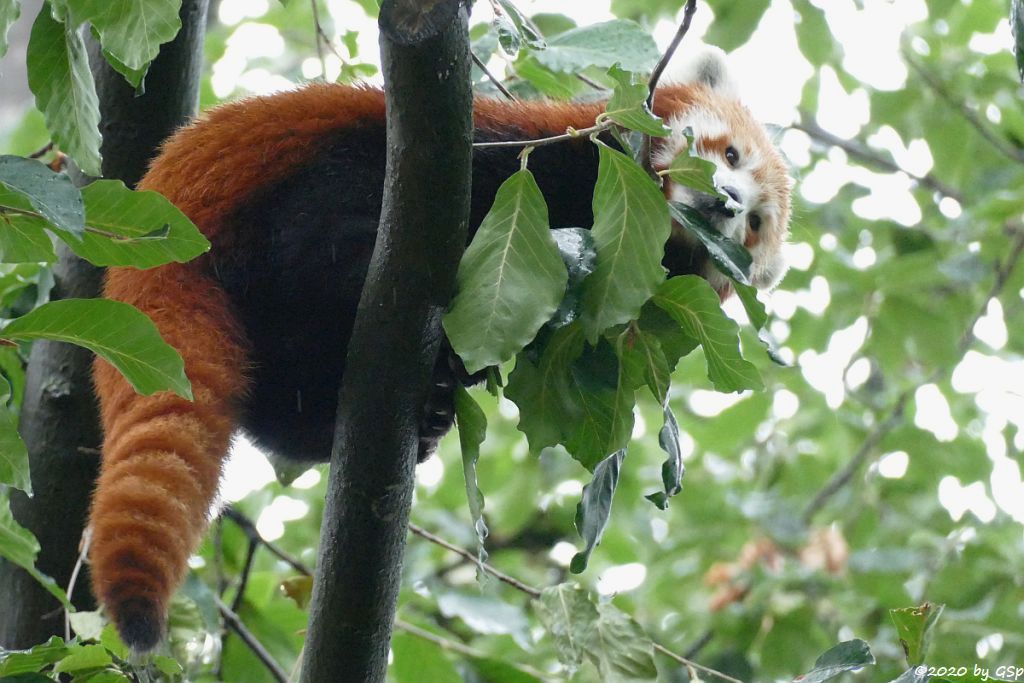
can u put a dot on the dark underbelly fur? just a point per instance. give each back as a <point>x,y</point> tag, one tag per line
<point>296,282</point>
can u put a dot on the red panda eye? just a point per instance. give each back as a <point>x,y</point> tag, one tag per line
<point>732,156</point>
<point>755,222</point>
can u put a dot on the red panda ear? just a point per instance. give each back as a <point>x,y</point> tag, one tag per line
<point>708,65</point>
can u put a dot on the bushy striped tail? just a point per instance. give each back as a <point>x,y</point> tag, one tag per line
<point>162,455</point>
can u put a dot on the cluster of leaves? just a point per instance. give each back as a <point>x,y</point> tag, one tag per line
<point>96,654</point>
<point>589,316</point>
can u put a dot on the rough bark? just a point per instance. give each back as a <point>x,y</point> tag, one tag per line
<point>397,334</point>
<point>59,421</point>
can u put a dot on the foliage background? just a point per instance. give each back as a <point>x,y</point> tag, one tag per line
<point>903,231</point>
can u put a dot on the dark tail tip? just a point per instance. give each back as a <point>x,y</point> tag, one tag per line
<point>140,624</point>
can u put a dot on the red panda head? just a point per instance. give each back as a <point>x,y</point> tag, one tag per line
<point>750,172</point>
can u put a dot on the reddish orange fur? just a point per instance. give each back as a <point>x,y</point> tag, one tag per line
<point>162,456</point>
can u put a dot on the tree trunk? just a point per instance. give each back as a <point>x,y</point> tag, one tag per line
<point>59,421</point>
<point>395,341</point>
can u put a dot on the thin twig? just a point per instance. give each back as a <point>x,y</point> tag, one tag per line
<point>83,552</point>
<point>939,88</point>
<point>250,530</point>
<point>465,650</point>
<point>652,84</point>
<point>686,662</point>
<point>218,556</point>
<point>684,27</point>
<point>320,38</point>
<point>573,134</point>
<point>591,82</point>
<point>491,77</point>
<point>535,593</point>
<point>236,625</point>
<point>41,151</point>
<point>862,153</point>
<point>496,573</point>
<point>250,555</point>
<point>844,476</point>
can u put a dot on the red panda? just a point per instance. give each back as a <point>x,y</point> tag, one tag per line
<point>288,190</point>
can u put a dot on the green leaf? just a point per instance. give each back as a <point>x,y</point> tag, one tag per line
<point>673,339</point>
<point>620,648</point>
<point>813,35</point>
<point>9,13</point>
<point>496,671</point>
<point>631,226</point>
<point>23,237</point>
<point>87,625</point>
<point>51,194</point>
<point>82,658</point>
<point>576,246</point>
<point>23,232</point>
<point>691,171</point>
<point>734,22</point>
<point>540,390</point>
<point>472,425</point>
<point>755,309</point>
<point>846,656</point>
<point>525,28</point>
<point>728,256</point>
<point>130,30</point>
<point>595,507</point>
<point>18,545</point>
<point>131,228</point>
<point>643,361</point>
<point>167,665</point>
<point>14,662</point>
<point>690,300</point>
<point>605,635</point>
<point>135,77</point>
<point>59,77</point>
<point>419,660</point>
<point>485,615</point>
<point>673,469</point>
<point>628,104</point>
<point>569,616</point>
<point>116,331</point>
<point>553,84</point>
<point>511,278</point>
<point>601,45</point>
<point>508,34</point>
<point>602,400</point>
<point>914,626</point>
<point>13,454</point>
<point>111,640</point>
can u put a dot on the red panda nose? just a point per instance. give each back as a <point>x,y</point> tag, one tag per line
<point>732,192</point>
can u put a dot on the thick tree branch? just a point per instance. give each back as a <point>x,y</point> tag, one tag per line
<point>58,417</point>
<point>395,339</point>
